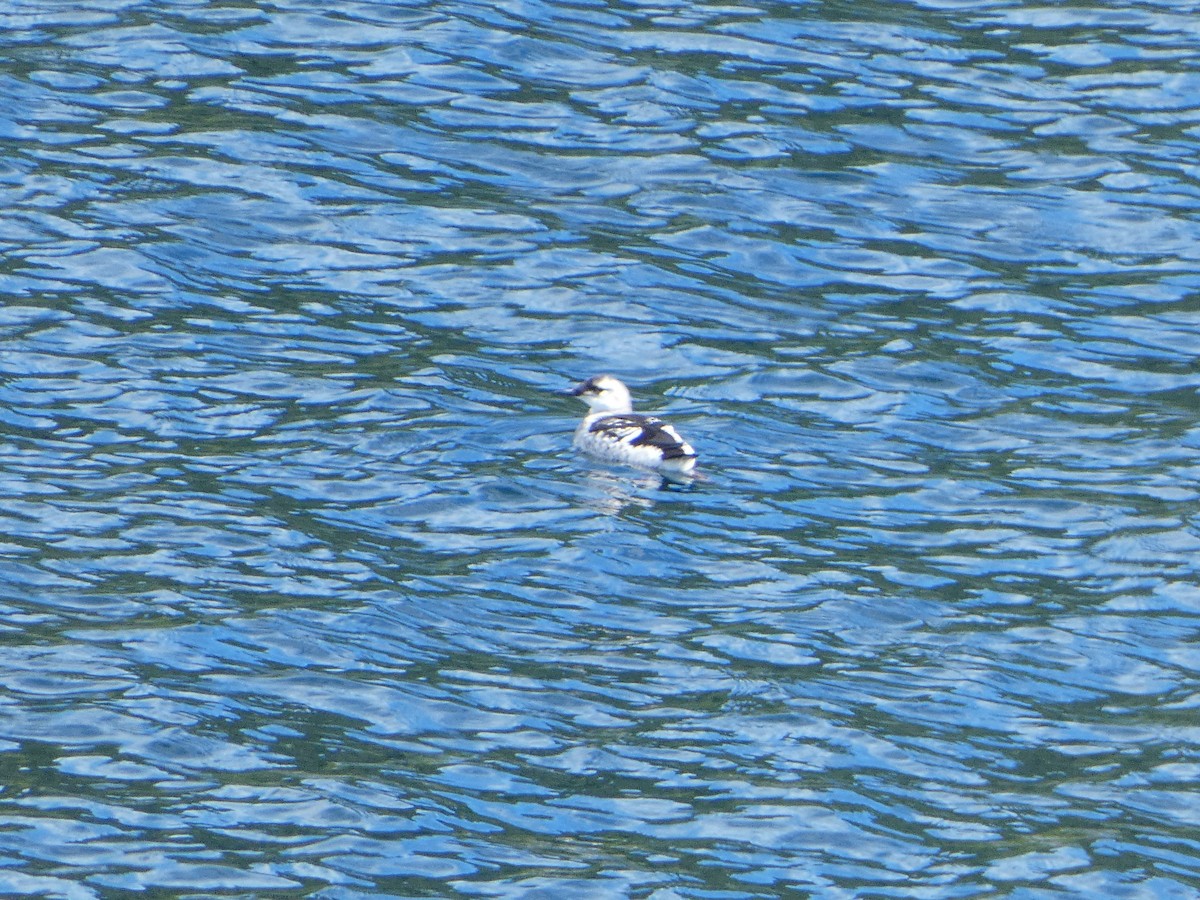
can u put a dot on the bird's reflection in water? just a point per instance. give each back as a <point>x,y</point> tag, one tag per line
<point>613,490</point>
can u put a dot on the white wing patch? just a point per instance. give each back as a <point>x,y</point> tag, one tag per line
<point>636,439</point>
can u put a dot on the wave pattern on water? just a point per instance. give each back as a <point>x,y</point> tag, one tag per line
<point>305,592</point>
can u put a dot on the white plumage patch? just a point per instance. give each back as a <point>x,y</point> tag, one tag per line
<point>636,440</point>
<point>613,431</point>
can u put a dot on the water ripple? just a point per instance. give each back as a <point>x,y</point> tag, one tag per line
<point>306,592</point>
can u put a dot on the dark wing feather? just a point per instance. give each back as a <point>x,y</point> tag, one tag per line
<point>641,430</point>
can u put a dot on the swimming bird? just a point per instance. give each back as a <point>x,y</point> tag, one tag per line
<point>612,430</point>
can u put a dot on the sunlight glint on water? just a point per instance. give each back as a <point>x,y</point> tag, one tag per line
<point>305,592</point>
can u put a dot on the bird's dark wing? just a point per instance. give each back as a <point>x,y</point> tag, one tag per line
<point>644,431</point>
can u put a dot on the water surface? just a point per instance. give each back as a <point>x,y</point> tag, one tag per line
<point>305,593</point>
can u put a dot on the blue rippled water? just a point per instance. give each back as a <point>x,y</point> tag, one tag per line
<point>303,591</point>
